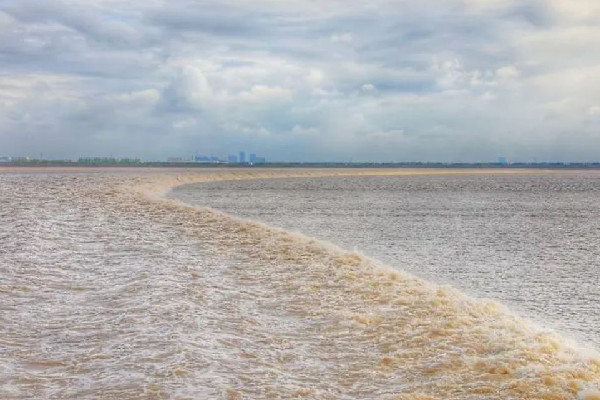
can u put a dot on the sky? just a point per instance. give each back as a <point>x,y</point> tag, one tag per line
<point>301,80</point>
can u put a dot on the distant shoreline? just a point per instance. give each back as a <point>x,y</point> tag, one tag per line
<point>157,164</point>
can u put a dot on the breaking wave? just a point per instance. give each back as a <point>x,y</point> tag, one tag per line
<point>249,311</point>
<point>393,329</point>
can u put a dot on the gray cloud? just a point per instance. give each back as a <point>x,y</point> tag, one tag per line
<point>301,80</point>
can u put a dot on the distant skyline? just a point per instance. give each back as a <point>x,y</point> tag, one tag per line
<point>302,80</point>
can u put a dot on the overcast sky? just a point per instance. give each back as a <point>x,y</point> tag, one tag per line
<point>301,80</point>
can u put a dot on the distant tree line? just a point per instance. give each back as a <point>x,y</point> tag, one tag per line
<point>108,160</point>
<point>133,162</point>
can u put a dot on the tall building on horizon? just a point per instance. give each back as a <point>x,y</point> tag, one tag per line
<point>252,157</point>
<point>242,156</point>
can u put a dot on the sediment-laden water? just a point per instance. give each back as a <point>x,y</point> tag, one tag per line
<point>107,290</point>
<point>531,241</point>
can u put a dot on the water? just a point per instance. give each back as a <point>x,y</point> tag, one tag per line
<point>529,241</point>
<point>109,291</point>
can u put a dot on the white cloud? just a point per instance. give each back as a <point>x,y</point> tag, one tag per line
<point>315,77</point>
<point>264,93</point>
<point>147,97</point>
<point>594,111</point>
<point>185,123</point>
<point>450,73</point>
<point>341,37</point>
<point>507,72</point>
<point>252,131</point>
<point>367,87</point>
<point>299,130</point>
<point>488,96</point>
<point>577,9</point>
<point>455,75</point>
<point>188,88</point>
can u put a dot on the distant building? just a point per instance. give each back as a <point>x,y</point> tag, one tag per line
<point>233,159</point>
<point>502,161</point>
<point>207,159</point>
<point>4,159</point>
<point>252,158</point>
<point>19,159</point>
<point>242,157</point>
<point>260,160</point>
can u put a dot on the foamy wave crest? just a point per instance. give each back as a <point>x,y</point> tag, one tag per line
<point>324,323</point>
<point>108,290</point>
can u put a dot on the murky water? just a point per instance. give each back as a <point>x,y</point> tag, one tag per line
<point>530,241</point>
<point>108,291</point>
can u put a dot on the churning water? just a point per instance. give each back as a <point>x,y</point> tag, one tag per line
<point>530,241</point>
<point>110,291</point>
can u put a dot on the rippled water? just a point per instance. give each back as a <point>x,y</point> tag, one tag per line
<point>108,291</point>
<point>530,241</point>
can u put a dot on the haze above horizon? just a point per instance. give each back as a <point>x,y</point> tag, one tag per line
<point>301,80</point>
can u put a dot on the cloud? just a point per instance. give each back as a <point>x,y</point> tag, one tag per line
<point>594,111</point>
<point>341,37</point>
<point>299,130</point>
<point>187,90</point>
<point>301,80</point>
<point>264,93</point>
<point>507,72</point>
<point>367,87</point>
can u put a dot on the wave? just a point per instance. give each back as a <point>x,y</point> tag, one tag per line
<point>375,331</point>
